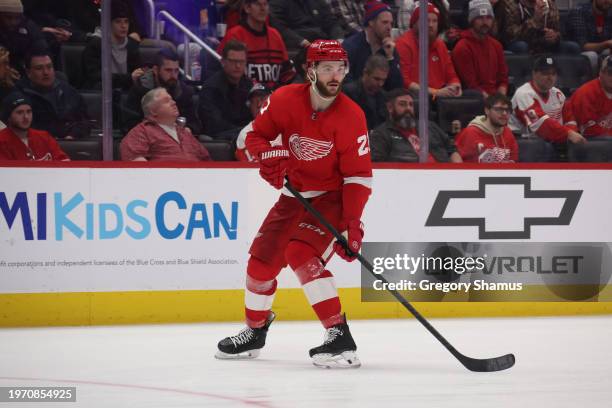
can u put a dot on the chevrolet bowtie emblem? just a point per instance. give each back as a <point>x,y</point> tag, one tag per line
<point>527,212</point>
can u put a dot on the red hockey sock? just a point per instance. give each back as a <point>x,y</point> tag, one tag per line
<point>259,292</point>
<point>317,282</point>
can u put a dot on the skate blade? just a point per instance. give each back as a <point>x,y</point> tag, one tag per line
<point>245,355</point>
<point>347,359</point>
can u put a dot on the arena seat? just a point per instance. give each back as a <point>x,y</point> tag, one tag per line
<point>463,109</point>
<point>93,100</point>
<point>148,54</point>
<point>71,61</point>
<point>220,150</point>
<point>519,70</point>
<point>84,149</point>
<point>574,70</point>
<point>535,150</point>
<point>596,150</point>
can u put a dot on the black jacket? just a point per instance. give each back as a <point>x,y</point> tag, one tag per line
<point>20,42</point>
<point>182,95</point>
<point>222,106</point>
<point>61,113</point>
<point>92,65</point>
<point>304,19</point>
<point>388,145</point>
<point>374,107</point>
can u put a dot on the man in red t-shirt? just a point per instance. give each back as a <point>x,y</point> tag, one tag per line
<point>443,81</point>
<point>20,142</point>
<point>326,156</point>
<point>488,139</point>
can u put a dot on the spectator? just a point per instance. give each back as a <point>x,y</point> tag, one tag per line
<point>223,109</point>
<point>267,59</point>
<point>368,91</point>
<point>396,140</point>
<point>374,40</point>
<point>258,95</point>
<point>590,25</point>
<point>125,55</point>
<point>478,57</point>
<point>591,104</point>
<point>532,26</point>
<point>538,107</point>
<point>164,74</point>
<point>8,75</point>
<point>158,137</point>
<point>405,8</point>
<point>58,107</point>
<point>18,34</point>
<point>443,81</point>
<point>301,22</point>
<point>488,139</point>
<point>19,141</point>
<point>349,13</point>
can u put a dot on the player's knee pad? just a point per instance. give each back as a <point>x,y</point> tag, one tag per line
<point>305,262</point>
<point>261,277</point>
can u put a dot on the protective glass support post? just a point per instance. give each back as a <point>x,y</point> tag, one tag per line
<point>423,82</point>
<point>187,62</point>
<point>107,84</point>
<point>191,36</point>
<point>151,14</point>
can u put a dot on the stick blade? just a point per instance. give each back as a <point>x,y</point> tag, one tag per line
<point>488,364</point>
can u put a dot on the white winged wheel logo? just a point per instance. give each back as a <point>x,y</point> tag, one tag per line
<point>307,149</point>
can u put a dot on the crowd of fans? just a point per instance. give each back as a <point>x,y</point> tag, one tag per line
<point>162,111</point>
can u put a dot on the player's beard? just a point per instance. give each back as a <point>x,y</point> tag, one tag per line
<point>405,121</point>
<point>323,91</point>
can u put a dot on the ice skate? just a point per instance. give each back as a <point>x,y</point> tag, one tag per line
<point>338,349</point>
<point>246,344</point>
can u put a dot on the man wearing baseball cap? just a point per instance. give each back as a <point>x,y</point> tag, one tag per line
<point>20,142</point>
<point>375,39</point>
<point>478,57</point>
<point>538,106</point>
<point>591,104</point>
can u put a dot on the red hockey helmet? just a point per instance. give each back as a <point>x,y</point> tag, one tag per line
<point>326,50</point>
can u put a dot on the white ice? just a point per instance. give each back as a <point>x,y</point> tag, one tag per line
<point>561,362</point>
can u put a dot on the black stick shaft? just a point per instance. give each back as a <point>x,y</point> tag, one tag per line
<point>370,269</point>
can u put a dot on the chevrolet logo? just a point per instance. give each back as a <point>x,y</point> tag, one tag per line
<point>480,208</point>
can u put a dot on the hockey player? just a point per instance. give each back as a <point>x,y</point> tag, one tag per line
<point>326,156</point>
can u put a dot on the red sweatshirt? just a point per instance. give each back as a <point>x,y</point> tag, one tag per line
<point>441,70</point>
<point>592,109</point>
<point>480,63</point>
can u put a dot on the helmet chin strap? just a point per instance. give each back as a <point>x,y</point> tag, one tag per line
<point>313,85</point>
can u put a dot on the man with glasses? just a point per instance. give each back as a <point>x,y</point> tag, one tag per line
<point>222,106</point>
<point>326,156</point>
<point>488,139</point>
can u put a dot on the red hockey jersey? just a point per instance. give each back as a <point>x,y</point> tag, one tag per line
<point>41,147</point>
<point>328,149</point>
<point>267,58</point>
<point>592,109</point>
<point>540,114</point>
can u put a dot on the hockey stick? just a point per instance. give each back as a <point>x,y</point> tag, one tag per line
<point>472,364</point>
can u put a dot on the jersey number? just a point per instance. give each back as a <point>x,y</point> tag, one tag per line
<point>363,145</point>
